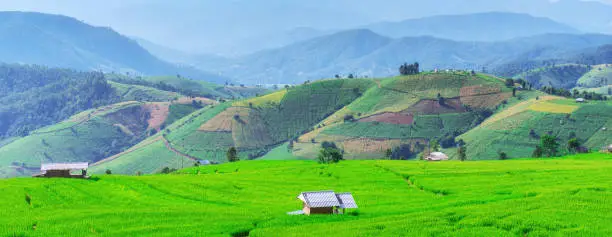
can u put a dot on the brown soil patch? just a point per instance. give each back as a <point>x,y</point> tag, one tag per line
<point>478,90</point>
<point>189,100</point>
<point>485,101</point>
<point>158,114</point>
<point>451,105</point>
<point>393,118</point>
<point>370,145</point>
<point>223,121</point>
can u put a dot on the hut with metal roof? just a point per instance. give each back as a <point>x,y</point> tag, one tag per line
<point>437,156</point>
<point>63,170</point>
<point>326,202</point>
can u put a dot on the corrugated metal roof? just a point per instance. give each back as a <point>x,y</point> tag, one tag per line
<point>346,200</point>
<point>64,166</point>
<point>320,199</point>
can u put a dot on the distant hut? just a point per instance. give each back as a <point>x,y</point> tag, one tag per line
<point>610,148</point>
<point>325,202</point>
<point>580,100</point>
<point>63,170</point>
<point>437,156</point>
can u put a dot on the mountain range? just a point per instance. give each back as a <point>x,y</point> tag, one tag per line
<point>60,41</point>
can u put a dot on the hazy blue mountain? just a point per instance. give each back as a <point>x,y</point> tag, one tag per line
<point>59,41</point>
<point>492,26</point>
<point>365,53</point>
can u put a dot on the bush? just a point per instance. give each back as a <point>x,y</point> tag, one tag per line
<point>232,155</point>
<point>108,171</point>
<point>349,118</point>
<point>503,155</point>
<point>401,152</point>
<point>329,155</point>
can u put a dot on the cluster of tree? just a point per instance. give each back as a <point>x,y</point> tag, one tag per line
<point>573,93</point>
<point>33,96</point>
<point>329,153</point>
<point>232,154</point>
<point>409,69</point>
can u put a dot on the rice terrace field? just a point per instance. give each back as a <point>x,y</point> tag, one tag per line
<point>568,196</point>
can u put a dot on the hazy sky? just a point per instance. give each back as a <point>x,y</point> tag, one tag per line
<point>201,25</point>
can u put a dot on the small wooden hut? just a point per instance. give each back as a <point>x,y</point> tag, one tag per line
<point>326,202</point>
<point>63,170</point>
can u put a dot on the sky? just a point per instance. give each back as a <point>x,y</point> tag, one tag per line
<point>201,26</point>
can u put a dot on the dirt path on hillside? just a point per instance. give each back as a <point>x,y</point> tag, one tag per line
<point>177,152</point>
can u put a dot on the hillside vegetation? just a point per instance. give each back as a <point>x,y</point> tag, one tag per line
<point>363,117</point>
<point>395,198</point>
<point>256,125</point>
<point>517,130</point>
<point>89,136</point>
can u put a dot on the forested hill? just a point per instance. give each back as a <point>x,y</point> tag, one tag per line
<point>35,96</point>
<point>60,41</point>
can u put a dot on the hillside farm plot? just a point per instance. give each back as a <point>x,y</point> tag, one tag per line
<point>549,107</point>
<point>565,197</point>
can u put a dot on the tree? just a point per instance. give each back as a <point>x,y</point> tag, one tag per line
<point>108,171</point>
<point>513,92</point>
<point>329,155</point>
<point>462,153</point>
<point>549,145</point>
<point>351,76</point>
<point>509,82</point>
<point>573,145</point>
<point>388,153</point>
<point>503,155</point>
<point>232,155</point>
<point>434,146</point>
<point>401,152</point>
<point>537,153</point>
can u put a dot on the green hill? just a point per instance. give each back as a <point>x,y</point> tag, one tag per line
<point>565,76</point>
<point>89,136</point>
<point>516,130</point>
<point>384,114</point>
<point>598,76</point>
<point>566,197</point>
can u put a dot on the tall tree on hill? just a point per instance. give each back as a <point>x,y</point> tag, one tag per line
<point>549,145</point>
<point>462,153</point>
<point>232,155</point>
<point>573,145</point>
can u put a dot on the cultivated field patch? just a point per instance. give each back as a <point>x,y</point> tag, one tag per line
<point>548,107</point>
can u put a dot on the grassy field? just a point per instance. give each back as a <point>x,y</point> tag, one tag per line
<point>549,197</point>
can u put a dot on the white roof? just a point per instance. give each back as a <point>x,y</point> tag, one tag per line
<point>437,156</point>
<point>346,200</point>
<point>580,99</point>
<point>320,199</point>
<point>328,199</point>
<point>64,166</point>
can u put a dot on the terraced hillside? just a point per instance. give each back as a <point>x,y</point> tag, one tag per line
<point>89,136</point>
<point>255,125</point>
<point>517,130</point>
<point>598,80</point>
<point>560,197</point>
<point>411,111</point>
<point>364,117</point>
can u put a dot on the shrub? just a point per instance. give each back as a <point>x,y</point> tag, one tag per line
<point>329,155</point>
<point>232,155</point>
<point>503,155</point>
<point>349,118</point>
<point>462,153</point>
<point>108,172</point>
